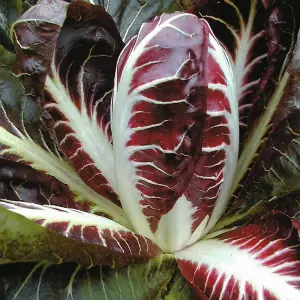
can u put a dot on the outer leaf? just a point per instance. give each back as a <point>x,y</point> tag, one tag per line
<point>78,87</point>
<point>22,240</point>
<point>276,171</point>
<point>141,281</point>
<point>19,114</point>
<point>23,137</point>
<point>19,182</point>
<point>178,288</point>
<point>260,40</point>
<point>85,228</point>
<point>9,12</point>
<point>129,15</point>
<point>157,133</point>
<point>267,252</point>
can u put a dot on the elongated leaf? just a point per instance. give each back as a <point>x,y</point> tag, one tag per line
<point>23,240</point>
<point>24,137</point>
<point>211,184</point>
<point>157,122</point>
<point>129,15</point>
<point>258,261</point>
<point>276,170</point>
<point>260,40</point>
<point>140,281</point>
<point>19,182</point>
<point>85,227</point>
<point>78,86</point>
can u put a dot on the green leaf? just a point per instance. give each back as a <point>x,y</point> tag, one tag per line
<point>69,281</point>
<point>178,288</point>
<point>21,240</point>
<point>129,15</point>
<point>10,10</point>
<point>6,57</point>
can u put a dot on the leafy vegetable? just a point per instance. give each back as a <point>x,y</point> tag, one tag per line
<point>115,154</point>
<point>141,281</point>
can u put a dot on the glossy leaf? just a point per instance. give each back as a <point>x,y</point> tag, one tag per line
<point>21,240</point>
<point>78,86</point>
<point>211,183</point>
<point>85,227</point>
<point>259,260</point>
<point>157,132</point>
<point>141,281</point>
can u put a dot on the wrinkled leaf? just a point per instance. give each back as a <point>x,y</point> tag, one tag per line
<point>24,137</point>
<point>141,281</point>
<point>259,40</point>
<point>77,73</point>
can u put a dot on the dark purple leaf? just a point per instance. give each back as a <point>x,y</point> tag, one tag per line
<point>19,182</point>
<point>259,41</point>
<point>158,117</point>
<point>276,169</point>
<point>78,85</point>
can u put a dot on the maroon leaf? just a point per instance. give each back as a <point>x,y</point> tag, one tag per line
<point>259,40</point>
<point>257,261</point>
<point>157,122</point>
<point>211,183</point>
<point>86,228</point>
<point>19,182</point>
<point>276,169</point>
<point>77,76</point>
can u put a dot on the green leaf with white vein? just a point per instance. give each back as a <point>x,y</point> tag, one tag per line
<point>143,281</point>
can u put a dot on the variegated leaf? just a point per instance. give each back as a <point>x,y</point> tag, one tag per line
<point>257,261</point>
<point>157,122</point>
<point>86,228</point>
<point>77,86</point>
